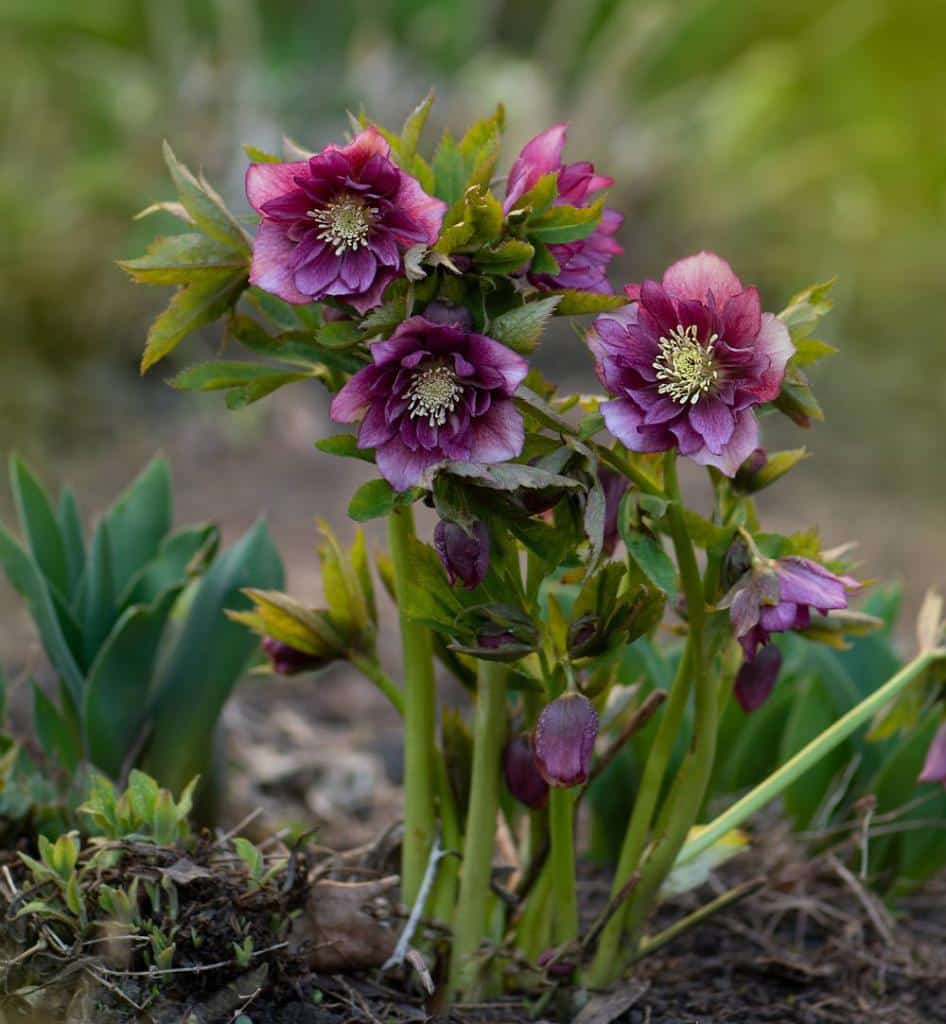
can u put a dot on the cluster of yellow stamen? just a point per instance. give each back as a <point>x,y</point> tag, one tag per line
<point>345,222</point>
<point>685,366</point>
<point>433,394</point>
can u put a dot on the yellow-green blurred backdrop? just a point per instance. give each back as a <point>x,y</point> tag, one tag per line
<point>801,140</point>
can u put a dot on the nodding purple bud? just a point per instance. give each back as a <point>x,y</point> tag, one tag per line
<point>564,740</point>
<point>614,486</point>
<point>757,677</point>
<point>451,315</point>
<point>492,639</point>
<point>745,478</point>
<point>555,965</point>
<point>934,770</point>
<point>522,774</point>
<point>463,554</point>
<point>289,661</point>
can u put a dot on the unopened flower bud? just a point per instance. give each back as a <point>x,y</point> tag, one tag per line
<point>556,965</point>
<point>757,677</point>
<point>564,740</point>
<point>464,555</point>
<point>750,469</point>
<point>440,312</point>
<point>614,486</point>
<point>522,773</point>
<point>290,661</point>
<point>934,769</point>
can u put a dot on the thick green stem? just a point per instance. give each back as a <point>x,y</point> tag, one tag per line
<point>635,838</point>
<point>808,756</point>
<point>419,716</point>
<point>470,918</point>
<point>370,669</point>
<point>692,668</point>
<point>444,895</point>
<point>562,831</point>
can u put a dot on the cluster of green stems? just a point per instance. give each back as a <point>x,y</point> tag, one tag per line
<point>659,834</point>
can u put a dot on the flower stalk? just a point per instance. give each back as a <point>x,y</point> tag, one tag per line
<point>420,705</point>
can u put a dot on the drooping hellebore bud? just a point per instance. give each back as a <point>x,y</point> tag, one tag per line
<point>564,740</point>
<point>464,555</point>
<point>290,661</point>
<point>934,769</point>
<point>614,486</point>
<point>522,773</point>
<point>750,469</point>
<point>757,677</point>
<point>440,312</point>
<point>761,470</point>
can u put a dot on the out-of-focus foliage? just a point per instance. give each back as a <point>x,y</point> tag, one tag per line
<point>132,621</point>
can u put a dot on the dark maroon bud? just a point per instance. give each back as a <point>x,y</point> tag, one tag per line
<point>494,639</point>
<point>756,679</point>
<point>289,661</point>
<point>581,635</point>
<point>614,486</point>
<point>564,740</point>
<point>555,965</point>
<point>451,315</point>
<point>934,767</point>
<point>522,774</point>
<point>746,474</point>
<point>463,554</point>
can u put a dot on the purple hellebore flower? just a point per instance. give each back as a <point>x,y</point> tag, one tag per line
<point>338,223</point>
<point>564,740</point>
<point>757,677</point>
<point>464,555</point>
<point>779,596</point>
<point>583,263</point>
<point>434,392</point>
<point>934,770</point>
<point>522,773</point>
<point>687,360</point>
<point>289,661</point>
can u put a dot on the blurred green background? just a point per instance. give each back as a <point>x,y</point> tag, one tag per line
<point>800,140</point>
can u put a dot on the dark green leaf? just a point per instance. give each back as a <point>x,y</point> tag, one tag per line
<point>27,579</point>
<point>649,556</point>
<point>99,604</point>
<point>181,555</point>
<point>138,521</point>
<point>505,258</point>
<point>207,658</point>
<point>373,499</point>
<point>70,524</point>
<point>565,223</point>
<point>119,681</point>
<point>53,731</point>
<point>413,126</point>
<point>39,525</point>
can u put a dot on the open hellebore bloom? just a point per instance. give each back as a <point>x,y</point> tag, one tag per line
<point>686,362</point>
<point>464,555</point>
<point>934,770</point>
<point>757,677</point>
<point>583,264</point>
<point>434,392</point>
<point>779,596</point>
<point>289,661</point>
<point>522,773</point>
<point>338,223</point>
<point>564,740</point>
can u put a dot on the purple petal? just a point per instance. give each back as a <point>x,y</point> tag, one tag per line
<point>354,397</point>
<point>774,344</point>
<point>714,421</point>
<point>696,277</point>
<point>564,740</point>
<point>272,259</point>
<point>512,368</point>
<point>541,155</point>
<point>425,211</point>
<point>498,435</point>
<point>805,582</point>
<point>401,467</point>
<point>271,181</point>
<point>744,440</point>
<point>624,419</point>
<point>757,677</point>
<point>934,768</point>
<point>742,318</point>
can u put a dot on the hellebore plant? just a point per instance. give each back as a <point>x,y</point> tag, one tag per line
<point>563,542</point>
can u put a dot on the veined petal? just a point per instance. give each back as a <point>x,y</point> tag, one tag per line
<point>271,181</point>
<point>702,275</point>
<point>272,261</point>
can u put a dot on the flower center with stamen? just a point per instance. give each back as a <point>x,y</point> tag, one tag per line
<point>433,394</point>
<point>345,222</point>
<point>685,366</point>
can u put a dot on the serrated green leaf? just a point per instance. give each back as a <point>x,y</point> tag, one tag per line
<point>576,303</point>
<point>521,328</point>
<point>806,308</point>
<point>373,499</point>
<point>264,385</point>
<point>413,126</point>
<point>565,223</point>
<point>346,446</point>
<point>504,258</point>
<point>193,306</point>
<point>206,208</point>
<point>340,334</point>
<point>540,197</point>
<point>649,556</point>
<point>180,259</point>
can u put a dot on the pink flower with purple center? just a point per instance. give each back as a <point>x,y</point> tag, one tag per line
<point>583,264</point>
<point>778,596</point>
<point>336,225</point>
<point>688,360</point>
<point>434,392</point>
